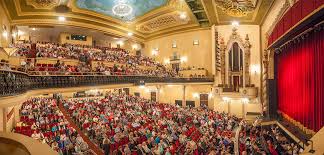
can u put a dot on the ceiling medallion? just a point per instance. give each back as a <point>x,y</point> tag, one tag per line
<point>122,9</point>
<point>235,8</point>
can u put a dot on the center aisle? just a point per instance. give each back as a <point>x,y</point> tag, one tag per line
<point>91,145</point>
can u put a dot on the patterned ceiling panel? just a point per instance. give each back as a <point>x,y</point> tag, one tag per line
<point>161,22</point>
<point>139,7</point>
<point>43,4</point>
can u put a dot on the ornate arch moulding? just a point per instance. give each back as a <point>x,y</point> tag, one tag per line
<point>223,89</point>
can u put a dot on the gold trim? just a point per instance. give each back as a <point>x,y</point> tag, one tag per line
<point>298,124</point>
<point>120,29</point>
<point>4,6</point>
<point>255,12</point>
<point>196,28</point>
<point>314,12</point>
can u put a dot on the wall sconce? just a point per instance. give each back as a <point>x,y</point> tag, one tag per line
<point>166,61</point>
<point>235,23</point>
<point>255,69</point>
<point>5,34</point>
<point>210,95</point>
<point>195,95</point>
<point>174,44</point>
<point>245,100</point>
<point>183,59</point>
<point>226,99</point>
<point>196,42</point>
<point>135,46</point>
<point>121,43</point>
<point>154,52</point>
<point>14,35</point>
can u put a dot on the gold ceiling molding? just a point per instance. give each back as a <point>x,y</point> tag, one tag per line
<point>161,22</point>
<point>174,31</point>
<point>24,13</point>
<point>53,22</point>
<point>43,4</point>
<point>253,17</point>
<point>238,8</point>
<point>102,20</point>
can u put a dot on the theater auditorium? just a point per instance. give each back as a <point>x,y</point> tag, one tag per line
<point>161,77</point>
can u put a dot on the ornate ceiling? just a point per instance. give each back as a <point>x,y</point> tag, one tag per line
<point>138,7</point>
<point>244,11</point>
<point>150,18</point>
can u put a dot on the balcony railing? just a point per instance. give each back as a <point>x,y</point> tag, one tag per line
<point>15,82</point>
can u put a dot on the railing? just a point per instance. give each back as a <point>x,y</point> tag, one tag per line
<point>15,82</point>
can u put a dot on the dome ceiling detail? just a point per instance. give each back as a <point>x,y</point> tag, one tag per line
<point>137,8</point>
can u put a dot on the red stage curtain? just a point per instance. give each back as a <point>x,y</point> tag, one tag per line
<point>300,74</point>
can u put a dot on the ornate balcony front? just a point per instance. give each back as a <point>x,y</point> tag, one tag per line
<point>244,92</point>
<point>14,82</point>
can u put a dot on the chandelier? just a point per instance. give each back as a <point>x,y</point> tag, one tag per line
<point>235,8</point>
<point>122,10</point>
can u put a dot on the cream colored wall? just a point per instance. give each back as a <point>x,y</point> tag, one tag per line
<point>236,105</point>
<point>63,40</point>
<point>197,55</point>
<point>170,93</point>
<point>4,21</point>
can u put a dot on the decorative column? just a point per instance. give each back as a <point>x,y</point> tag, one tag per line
<point>243,110</point>
<point>223,61</point>
<point>246,62</point>
<point>218,60</point>
<point>229,106</point>
<point>158,87</point>
<point>265,104</point>
<point>184,96</point>
<point>4,119</point>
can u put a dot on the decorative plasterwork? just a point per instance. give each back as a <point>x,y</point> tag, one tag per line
<point>43,4</point>
<point>238,8</point>
<point>161,22</point>
<point>245,46</point>
<point>22,13</point>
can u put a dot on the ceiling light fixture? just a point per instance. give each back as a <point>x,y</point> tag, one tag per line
<point>122,9</point>
<point>5,34</point>
<point>235,23</point>
<point>33,29</point>
<point>183,15</point>
<point>61,18</point>
<point>130,34</point>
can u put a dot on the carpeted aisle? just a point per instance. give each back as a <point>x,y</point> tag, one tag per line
<point>91,145</point>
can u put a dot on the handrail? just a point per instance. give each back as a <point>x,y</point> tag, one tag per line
<point>16,82</point>
<point>236,144</point>
<point>312,146</point>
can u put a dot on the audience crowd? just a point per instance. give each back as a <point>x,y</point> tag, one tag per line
<point>124,63</point>
<point>256,139</point>
<point>124,124</point>
<point>85,53</point>
<point>42,120</point>
<point>130,125</point>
